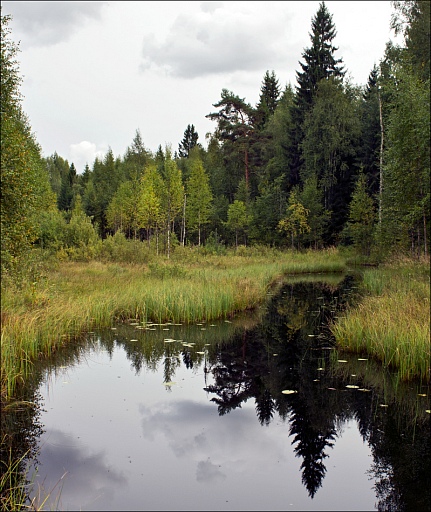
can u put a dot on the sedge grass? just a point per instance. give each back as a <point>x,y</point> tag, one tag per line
<point>76,297</point>
<point>392,323</point>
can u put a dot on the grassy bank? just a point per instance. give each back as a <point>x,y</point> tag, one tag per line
<point>191,286</point>
<point>392,323</point>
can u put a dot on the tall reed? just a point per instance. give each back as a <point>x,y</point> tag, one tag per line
<point>392,323</point>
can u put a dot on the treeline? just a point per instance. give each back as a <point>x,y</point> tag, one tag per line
<point>323,163</point>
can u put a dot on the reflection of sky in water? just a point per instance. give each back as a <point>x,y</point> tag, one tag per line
<point>128,443</point>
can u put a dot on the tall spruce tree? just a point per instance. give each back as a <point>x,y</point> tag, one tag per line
<point>319,63</point>
<point>268,100</point>
<point>369,147</point>
<point>190,140</point>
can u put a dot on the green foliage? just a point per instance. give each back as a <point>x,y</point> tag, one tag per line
<point>311,197</point>
<point>237,218</point>
<point>190,140</point>
<point>199,197</point>
<point>268,100</point>
<point>149,208</point>
<point>329,147</point>
<point>360,226</point>
<point>295,222</point>
<point>406,199</point>
<point>25,189</point>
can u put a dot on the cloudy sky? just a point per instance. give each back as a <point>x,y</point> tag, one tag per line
<point>95,72</point>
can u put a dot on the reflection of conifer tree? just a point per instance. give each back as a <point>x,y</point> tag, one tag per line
<point>187,359</point>
<point>265,407</point>
<point>311,444</point>
<point>231,385</point>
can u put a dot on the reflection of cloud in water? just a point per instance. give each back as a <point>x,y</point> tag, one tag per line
<point>89,481</point>
<point>195,432</point>
<point>208,472</point>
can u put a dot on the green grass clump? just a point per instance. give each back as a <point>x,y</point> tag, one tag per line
<point>392,323</point>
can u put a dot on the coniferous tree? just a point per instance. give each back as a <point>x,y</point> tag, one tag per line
<point>190,140</point>
<point>235,126</point>
<point>370,142</point>
<point>268,100</point>
<point>136,158</point>
<point>319,63</point>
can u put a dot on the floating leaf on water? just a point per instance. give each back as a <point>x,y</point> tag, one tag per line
<point>114,328</point>
<point>199,324</point>
<point>289,392</point>
<point>165,329</point>
<point>275,354</point>
<point>228,321</point>
<point>133,340</point>
<point>352,386</point>
<point>362,359</point>
<point>342,361</point>
<point>213,325</point>
<point>169,341</point>
<point>200,352</point>
<point>311,335</point>
<point>333,389</point>
<point>422,394</point>
<point>316,380</point>
<point>364,389</point>
<point>383,405</point>
<point>207,344</point>
<point>169,384</point>
<point>319,369</point>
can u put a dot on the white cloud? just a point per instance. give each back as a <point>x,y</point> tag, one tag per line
<point>219,39</point>
<point>85,153</point>
<point>48,23</point>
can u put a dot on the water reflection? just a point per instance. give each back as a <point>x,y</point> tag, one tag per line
<point>203,410</point>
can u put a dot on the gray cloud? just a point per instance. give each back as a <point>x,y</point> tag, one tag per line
<point>48,23</point>
<point>206,471</point>
<point>216,40</point>
<point>88,476</point>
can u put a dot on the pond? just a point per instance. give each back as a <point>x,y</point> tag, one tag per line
<point>256,413</point>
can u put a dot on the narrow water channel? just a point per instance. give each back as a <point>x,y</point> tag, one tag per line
<point>256,413</point>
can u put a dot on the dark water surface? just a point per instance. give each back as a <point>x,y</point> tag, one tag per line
<point>194,418</point>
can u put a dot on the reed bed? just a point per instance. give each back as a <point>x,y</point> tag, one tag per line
<point>392,323</point>
<point>77,297</point>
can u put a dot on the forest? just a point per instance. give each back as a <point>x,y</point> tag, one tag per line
<point>319,164</point>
